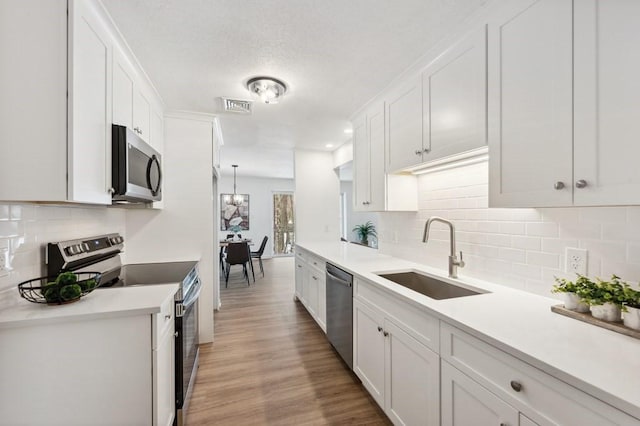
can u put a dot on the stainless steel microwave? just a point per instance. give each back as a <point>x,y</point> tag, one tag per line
<point>136,171</point>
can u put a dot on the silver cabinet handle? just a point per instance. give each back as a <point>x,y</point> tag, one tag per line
<point>379,329</point>
<point>558,185</point>
<point>167,317</point>
<point>418,152</point>
<point>315,278</point>
<point>426,150</point>
<point>175,334</point>
<point>516,386</point>
<point>386,333</point>
<point>581,184</point>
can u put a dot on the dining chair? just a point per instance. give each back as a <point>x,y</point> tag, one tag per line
<point>237,254</point>
<point>258,254</point>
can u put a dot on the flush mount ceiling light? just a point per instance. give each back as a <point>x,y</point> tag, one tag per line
<point>268,89</point>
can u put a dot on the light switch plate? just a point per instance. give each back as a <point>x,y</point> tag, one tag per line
<point>576,260</point>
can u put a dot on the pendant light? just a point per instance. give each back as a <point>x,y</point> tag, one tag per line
<point>237,199</point>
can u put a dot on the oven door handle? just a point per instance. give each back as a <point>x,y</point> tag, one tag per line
<point>193,297</point>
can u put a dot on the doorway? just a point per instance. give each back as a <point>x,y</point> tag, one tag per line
<point>283,224</point>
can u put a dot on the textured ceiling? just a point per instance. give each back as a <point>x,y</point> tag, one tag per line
<point>334,55</point>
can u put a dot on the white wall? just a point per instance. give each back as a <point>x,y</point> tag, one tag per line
<point>260,192</point>
<point>522,248</point>
<point>317,197</point>
<point>184,229</point>
<point>25,229</point>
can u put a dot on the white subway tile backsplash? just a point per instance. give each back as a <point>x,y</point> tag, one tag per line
<point>547,260</point>
<point>521,248</point>
<point>544,229</point>
<point>512,255</point>
<point>526,243</point>
<point>516,228</point>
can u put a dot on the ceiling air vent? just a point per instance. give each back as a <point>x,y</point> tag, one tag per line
<point>237,105</point>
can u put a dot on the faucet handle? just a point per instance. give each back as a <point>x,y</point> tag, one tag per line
<point>461,262</point>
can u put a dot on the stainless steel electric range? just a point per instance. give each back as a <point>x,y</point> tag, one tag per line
<point>102,254</point>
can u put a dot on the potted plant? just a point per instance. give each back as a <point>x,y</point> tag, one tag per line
<point>631,308</point>
<point>365,231</point>
<point>570,292</point>
<point>606,298</point>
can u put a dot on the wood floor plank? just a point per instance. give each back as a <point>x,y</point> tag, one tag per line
<point>271,364</point>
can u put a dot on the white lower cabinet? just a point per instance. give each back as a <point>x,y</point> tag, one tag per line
<point>311,286</point>
<point>400,373</point>
<point>536,397</point>
<point>466,403</point>
<point>115,371</point>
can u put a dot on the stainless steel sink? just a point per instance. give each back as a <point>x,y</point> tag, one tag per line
<point>429,286</point>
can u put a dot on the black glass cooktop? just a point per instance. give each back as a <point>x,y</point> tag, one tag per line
<point>152,273</point>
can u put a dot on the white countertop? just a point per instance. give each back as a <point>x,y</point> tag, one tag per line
<point>100,303</point>
<point>600,362</point>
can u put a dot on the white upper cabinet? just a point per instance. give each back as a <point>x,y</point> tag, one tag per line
<point>530,104</point>
<point>141,115</point>
<point>361,161</point>
<point>124,78</point>
<point>404,125</point>
<point>454,95</point>
<point>607,107</point>
<point>90,66</point>
<point>67,72</point>
<point>374,190</point>
<point>563,93</point>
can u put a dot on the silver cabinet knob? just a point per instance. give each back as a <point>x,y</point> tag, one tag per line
<point>558,185</point>
<point>175,334</point>
<point>379,329</point>
<point>386,333</point>
<point>418,152</point>
<point>426,150</point>
<point>581,183</point>
<point>516,386</point>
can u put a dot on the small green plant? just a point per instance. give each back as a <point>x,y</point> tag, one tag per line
<point>566,286</point>
<point>631,297</point>
<point>601,292</point>
<point>365,231</point>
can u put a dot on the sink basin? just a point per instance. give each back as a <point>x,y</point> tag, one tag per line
<point>429,286</point>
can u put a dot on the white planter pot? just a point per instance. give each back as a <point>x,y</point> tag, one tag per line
<point>573,302</point>
<point>631,318</point>
<point>608,312</point>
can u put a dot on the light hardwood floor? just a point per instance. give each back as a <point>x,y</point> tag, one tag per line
<point>270,364</point>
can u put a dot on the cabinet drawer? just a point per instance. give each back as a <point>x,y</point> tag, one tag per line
<point>543,398</point>
<point>419,324</point>
<point>162,321</point>
<point>301,254</point>
<point>316,262</point>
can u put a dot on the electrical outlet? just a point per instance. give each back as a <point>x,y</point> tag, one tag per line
<point>4,262</point>
<point>576,261</point>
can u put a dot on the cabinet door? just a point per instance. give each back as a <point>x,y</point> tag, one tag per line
<point>412,382</point>
<point>404,125</point>
<point>312,296</point>
<point>156,137</point>
<point>164,395</point>
<point>123,89</point>
<point>322,301</point>
<point>466,403</point>
<point>361,163</point>
<point>141,114</point>
<point>607,111</point>
<point>530,104</point>
<point>89,106</point>
<point>454,95</point>
<point>377,178</point>
<point>368,350</point>
<point>299,273</point>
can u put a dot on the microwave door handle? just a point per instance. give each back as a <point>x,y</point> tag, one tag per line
<point>154,159</point>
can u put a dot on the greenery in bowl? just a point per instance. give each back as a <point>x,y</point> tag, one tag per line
<point>631,297</point>
<point>365,231</point>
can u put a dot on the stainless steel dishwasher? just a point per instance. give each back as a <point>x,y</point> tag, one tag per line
<point>340,312</point>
